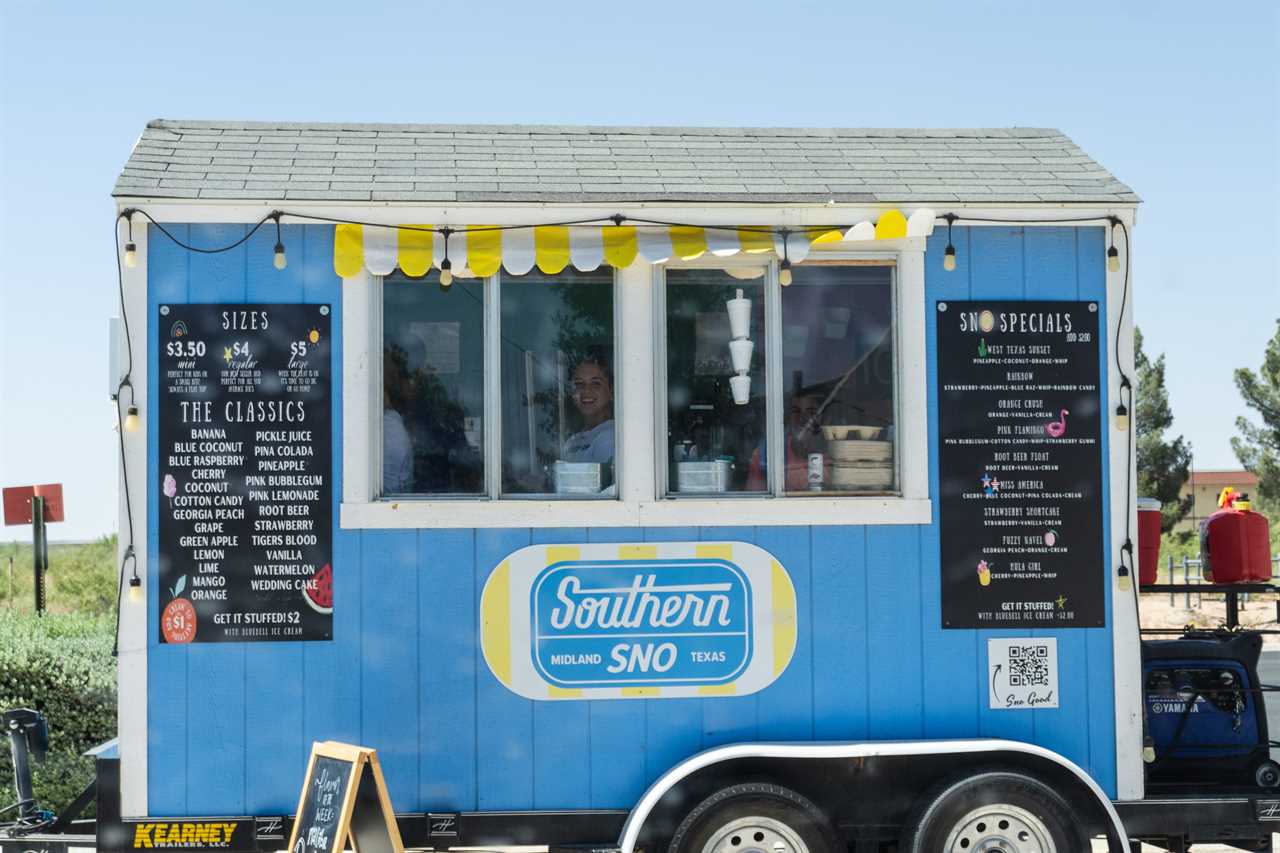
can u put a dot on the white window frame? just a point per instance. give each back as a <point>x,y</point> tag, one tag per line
<point>638,374</point>
<point>774,378</point>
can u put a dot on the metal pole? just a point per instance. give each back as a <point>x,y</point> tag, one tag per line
<point>41,547</point>
<point>1172,594</point>
<point>1186,578</point>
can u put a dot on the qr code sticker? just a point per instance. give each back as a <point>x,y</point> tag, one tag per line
<point>1029,666</point>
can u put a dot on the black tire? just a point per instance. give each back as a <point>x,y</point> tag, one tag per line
<point>992,804</point>
<point>780,814</point>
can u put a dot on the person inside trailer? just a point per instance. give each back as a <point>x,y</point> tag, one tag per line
<point>592,396</point>
<point>803,437</point>
<point>397,447</point>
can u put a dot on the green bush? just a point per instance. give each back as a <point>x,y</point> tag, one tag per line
<point>81,579</point>
<point>59,664</point>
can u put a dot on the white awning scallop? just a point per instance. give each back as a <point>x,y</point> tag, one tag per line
<point>479,250</point>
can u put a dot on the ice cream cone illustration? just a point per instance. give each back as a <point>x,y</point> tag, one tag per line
<point>984,573</point>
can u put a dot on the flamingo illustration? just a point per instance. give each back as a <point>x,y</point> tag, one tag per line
<point>1058,428</point>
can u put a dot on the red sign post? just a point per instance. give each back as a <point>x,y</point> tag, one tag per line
<point>35,505</point>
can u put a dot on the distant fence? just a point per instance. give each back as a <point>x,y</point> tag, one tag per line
<point>1192,578</point>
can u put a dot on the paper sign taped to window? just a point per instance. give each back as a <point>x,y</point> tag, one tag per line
<point>1022,673</point>
<point>441,346</point>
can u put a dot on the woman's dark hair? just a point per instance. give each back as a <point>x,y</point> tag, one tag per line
<point>395,377</point>
<point>599,356</point>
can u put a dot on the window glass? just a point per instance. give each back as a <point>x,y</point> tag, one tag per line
<point>557,384</point>
<point>715,382</point>
<point>433,386</point>
<point>837,357</point>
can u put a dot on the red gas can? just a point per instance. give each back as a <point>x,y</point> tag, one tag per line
<point>1235,542</point>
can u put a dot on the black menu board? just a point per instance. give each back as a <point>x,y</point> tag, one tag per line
<point>1020,465</point>
<point>244,473</point>
<point>324,803</point>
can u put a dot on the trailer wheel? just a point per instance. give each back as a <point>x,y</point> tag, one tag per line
<point>754,818</point>
<point>993,810</point>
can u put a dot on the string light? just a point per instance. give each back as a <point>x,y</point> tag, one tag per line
<point>130,248</point>
<point>279,260</point>
<point>131,419</point>
<point>1122,411</point>
<point>135,588</point>
<point>1113,254</point>
<point>949,254</point>
<point>446,265</point>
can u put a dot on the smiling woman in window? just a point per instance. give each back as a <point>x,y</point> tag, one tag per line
<point>556,384</point>
<point>593,398</point>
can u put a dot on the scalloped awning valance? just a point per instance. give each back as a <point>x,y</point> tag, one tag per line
<point>479,250</point>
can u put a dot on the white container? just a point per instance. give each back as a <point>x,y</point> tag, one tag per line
<point>739,317</point>
<point>702,477</point>
<point>741,386</point>
<point>741,351</point>
<point>815,474</point>
<point>578,478</point>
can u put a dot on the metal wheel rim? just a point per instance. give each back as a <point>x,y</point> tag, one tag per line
<point>1000,828</point>
<point>755,834</point>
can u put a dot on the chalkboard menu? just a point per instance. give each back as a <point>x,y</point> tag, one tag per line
<point>344,795</point>
<point>1020,465</point>
<point>324,799</point>
<point>244,473</point>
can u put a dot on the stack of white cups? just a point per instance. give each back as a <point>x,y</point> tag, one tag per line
<point>740,348</point>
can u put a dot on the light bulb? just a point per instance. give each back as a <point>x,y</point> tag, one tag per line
<point>949,259</point>
<point>130,254</point>
<point>1113,259</point>
<point>135,589</point>
<point>1126,580</point>
<point>446,273</point>
<point>1122,418</point>
<point>131,419</point>
<point>280,260</point>
<point>784,277</point>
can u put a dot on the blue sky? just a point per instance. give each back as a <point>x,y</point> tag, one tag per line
<point>1178,99</point>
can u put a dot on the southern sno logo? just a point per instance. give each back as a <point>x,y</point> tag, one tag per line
<point>651,620</point>
<point>599,624</point>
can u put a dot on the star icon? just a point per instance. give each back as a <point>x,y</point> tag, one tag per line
<point>1062,602</point>
<point>226,354</point>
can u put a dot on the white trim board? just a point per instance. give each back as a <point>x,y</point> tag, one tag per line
<point>494,213</point>
<point>131,668</point>
<point>1125,650</point>
<point>683,512</point>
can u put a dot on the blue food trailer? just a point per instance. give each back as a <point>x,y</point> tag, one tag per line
<point>644,488</point>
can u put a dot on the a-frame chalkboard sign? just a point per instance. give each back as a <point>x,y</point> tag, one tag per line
<point>344,795</point>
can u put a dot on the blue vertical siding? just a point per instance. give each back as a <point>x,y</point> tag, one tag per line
<point>229,730</point>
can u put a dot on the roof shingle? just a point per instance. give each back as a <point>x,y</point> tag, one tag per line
<point>536,163</point>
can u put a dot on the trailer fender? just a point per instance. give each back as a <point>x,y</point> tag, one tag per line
<point>631,830</point>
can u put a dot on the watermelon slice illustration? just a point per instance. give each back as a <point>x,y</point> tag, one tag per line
<point>318,592</point>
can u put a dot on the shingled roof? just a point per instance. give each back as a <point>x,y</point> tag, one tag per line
<point>542,163</point>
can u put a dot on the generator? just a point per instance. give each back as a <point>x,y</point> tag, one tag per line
<point>1205,712</point>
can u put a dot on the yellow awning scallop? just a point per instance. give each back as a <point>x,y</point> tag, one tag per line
<point>415,249</point>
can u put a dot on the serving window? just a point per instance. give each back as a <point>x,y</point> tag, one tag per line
<point>772,390</point>
<point>838,366</point>
<point>557,385</point>
<point>695,392</point>
<point>433,387</point>
<point>532,352</point>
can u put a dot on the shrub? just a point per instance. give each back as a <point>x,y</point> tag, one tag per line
<point>59,664</point>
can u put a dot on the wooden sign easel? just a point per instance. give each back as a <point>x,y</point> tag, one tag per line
<point>344,796</point>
